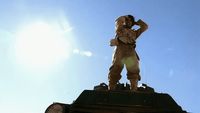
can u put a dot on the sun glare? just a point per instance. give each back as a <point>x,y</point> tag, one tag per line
<point>41,45</point>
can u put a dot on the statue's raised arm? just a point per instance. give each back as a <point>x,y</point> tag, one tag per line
<point>143,27</point>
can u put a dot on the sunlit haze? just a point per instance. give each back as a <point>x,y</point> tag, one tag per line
<point>41,45</point>
<point>52,50</point>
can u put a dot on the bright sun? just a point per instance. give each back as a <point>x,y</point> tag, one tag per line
<point>41,45</point>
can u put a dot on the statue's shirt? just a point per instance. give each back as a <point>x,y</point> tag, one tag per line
<point>127,36</point>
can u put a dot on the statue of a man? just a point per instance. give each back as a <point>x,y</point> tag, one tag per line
<point>125,54</point>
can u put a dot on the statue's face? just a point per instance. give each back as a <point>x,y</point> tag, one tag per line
<point>129,22</point>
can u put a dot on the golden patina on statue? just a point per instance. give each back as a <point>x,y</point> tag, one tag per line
<point>124,53</point>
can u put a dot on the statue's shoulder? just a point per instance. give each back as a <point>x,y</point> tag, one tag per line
<point>120,21</point>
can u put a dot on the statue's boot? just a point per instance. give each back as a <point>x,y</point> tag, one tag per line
<point>112,85</point>
<point>134,84</point>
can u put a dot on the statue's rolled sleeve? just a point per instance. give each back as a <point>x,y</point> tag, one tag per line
<point>143,27</point>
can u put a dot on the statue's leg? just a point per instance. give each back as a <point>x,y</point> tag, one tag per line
<point>133,70</point>
<point>115,71</point>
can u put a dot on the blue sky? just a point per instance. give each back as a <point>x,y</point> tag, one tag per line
<point>50,51</point>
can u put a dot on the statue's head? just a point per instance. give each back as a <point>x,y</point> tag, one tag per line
<point>130,21</point>
<point>126,21</point>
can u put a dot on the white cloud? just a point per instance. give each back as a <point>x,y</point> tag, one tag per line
<point>83,53</point>
<point>86,53</point>
<point>76,51</point>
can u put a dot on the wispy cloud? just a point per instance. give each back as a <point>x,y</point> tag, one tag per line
<point>170,49</point>
<point>171,72</point>
<point>83,53</point>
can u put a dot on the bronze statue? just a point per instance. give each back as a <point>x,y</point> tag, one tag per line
<point>124,53</point>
